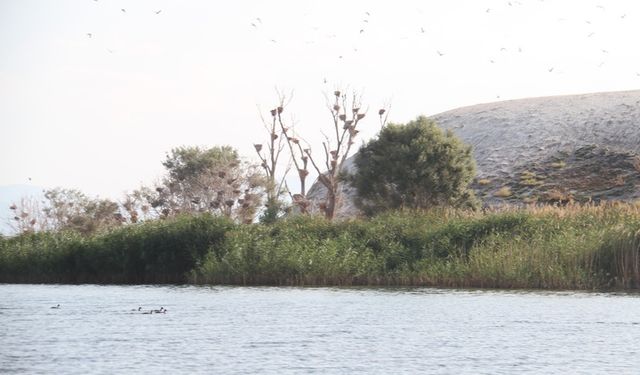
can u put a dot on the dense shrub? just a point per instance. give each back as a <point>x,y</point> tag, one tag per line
<point>414,166</point>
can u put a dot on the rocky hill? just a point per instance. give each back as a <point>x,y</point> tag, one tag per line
<point>550,149</point>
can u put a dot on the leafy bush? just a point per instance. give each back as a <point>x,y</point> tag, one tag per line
<point>414,166</point>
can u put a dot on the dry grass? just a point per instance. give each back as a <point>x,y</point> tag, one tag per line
<point>503,192</point>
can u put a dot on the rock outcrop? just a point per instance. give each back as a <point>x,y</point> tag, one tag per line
<point>549,149</point>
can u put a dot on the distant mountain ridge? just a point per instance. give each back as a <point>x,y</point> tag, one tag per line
<point>548,149</point>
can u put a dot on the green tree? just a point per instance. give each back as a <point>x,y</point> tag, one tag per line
<point>198,180</point>
<point>414,166</point>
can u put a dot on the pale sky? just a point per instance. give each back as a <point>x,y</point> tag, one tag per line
<point>98,112</point>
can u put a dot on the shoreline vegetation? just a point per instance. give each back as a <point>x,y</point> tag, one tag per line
<point>574,247</point>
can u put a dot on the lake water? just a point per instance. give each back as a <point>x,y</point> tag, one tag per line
<point>235,330</point>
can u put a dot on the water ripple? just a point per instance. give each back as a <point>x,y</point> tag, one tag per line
<point>235,330</point>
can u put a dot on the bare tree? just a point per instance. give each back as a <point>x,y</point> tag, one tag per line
<point>346,113</point>
<point>28,216</point>
<point>65,209</point>
<point>346,116</point>
<point>269,157</point>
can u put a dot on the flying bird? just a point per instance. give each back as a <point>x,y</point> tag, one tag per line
<point>422,30</point>
<point>440,53</point>
<point>550,70</point>
<point>158,11</point>
<point>89,35</point>
<point>590,35</point>
<point>123,10</point>
<point>367,13</point>
<point>361,31</point>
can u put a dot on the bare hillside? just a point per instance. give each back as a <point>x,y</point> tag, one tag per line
<point>550,149</point>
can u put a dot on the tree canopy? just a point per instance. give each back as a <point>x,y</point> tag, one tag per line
<point>212,180</point>
<point>414,166</point>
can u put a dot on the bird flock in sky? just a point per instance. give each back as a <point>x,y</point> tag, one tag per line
<point>256,24</point>
<point>122,10</point>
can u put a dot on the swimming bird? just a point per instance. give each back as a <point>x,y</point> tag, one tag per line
<point>161,311</point>
<point>56,307</point>
<point>138,309</point>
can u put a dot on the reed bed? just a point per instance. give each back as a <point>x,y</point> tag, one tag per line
<point>573,247</point>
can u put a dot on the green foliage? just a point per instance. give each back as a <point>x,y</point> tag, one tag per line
<point>185,163</point>
<point>414,166</point>
<point>158,251</point>
<point>199,180</point>
<point>568,248</point>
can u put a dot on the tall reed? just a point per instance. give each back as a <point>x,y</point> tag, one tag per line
<point>574,247</point>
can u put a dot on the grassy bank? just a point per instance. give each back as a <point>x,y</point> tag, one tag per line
<point>559,248</point>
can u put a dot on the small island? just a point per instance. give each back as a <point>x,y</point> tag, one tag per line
<point>444,206</point>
